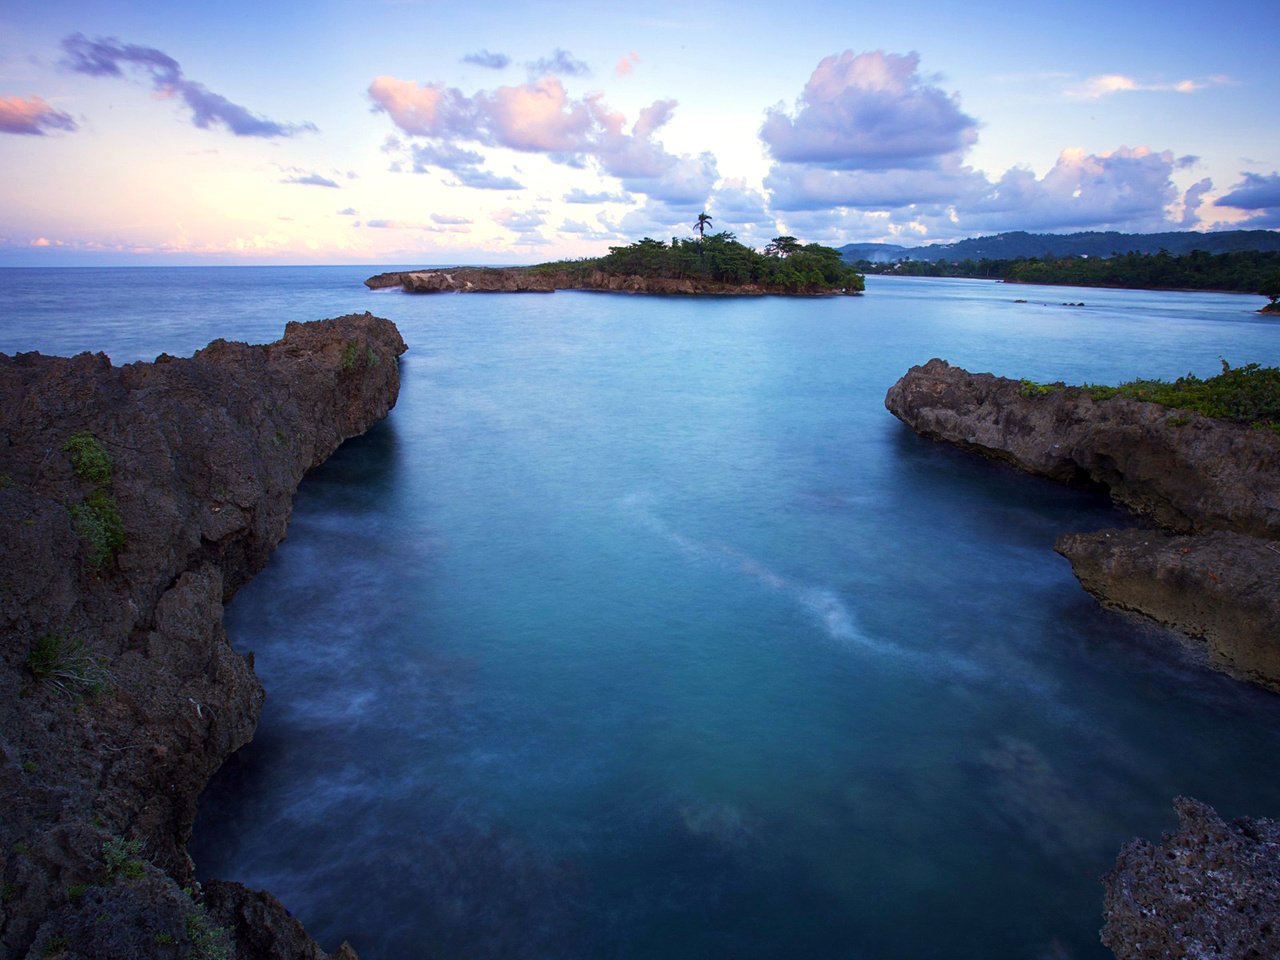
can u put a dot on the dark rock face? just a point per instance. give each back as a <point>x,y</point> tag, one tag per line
<point>119,693</point>
<point>1220,587</point>
<point>1210,889</point>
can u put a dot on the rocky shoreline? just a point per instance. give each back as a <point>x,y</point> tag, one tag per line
<point>1211,571</point>
<point>533,280</point>
<point>136,500</point>
<point>1214,484</point>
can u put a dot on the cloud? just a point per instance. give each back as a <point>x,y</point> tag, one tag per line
<point>395,225</point>
<point>1259,193</point>
<point>348,212</point>
<point>581,196</point>
<point>866,112</point>
<point>447,221</point>
<point>103,58</point>
<point>32,116</point>
<point>483,58</point>
<point>561,63</point>
<point>519,220</point>
<point>312,180</point>
<point>485,180</point>
<point>1108,83</point>
<point>1192,200</point>
<point>875,145</point>
<point>626,65</point>
<point>1255,192</point>
<point>539,117</point>
<point>426,109</point>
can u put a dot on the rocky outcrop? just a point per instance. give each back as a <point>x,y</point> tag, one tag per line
<point>529,280</point>
<point>135,500</point>
<point>1210,889</point>
<point>1187,473</point>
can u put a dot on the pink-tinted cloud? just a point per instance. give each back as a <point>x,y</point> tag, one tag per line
<point>540,117</point>
<point>869,112</point>
<point>536,117</point>
<point>32,116</point>
<point>421,109</point>
<point>626,65</point>
<point>1109,83</point>
<point>103,58</point>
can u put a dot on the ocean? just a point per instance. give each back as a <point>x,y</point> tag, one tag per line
<point>640,629</point>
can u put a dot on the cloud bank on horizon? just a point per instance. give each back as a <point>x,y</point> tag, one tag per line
<point>869,146</point>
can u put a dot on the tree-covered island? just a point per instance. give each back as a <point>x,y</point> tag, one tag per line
<point>714,263</point>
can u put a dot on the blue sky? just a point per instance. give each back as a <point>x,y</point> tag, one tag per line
<point>406,131</point>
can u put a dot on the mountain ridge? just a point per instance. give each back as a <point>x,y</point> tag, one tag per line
<point>1092,243</point>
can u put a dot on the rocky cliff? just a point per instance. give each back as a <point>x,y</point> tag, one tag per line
<point>1210,889</point>
<point>527,280</point>
<point>1186,473</point>
<point>135,500</point>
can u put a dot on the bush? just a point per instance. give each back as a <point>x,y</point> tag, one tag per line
<point>1248,394</point>
<point>89,458</point>
<point>97,521</point>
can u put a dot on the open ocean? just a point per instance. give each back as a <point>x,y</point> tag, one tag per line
<point>640,629</point>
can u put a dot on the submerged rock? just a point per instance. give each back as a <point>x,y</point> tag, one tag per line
<point>1223,588</point>
<point>135,501</point>
<point>1209,889</point>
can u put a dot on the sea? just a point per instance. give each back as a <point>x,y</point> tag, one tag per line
<point>641,629</point>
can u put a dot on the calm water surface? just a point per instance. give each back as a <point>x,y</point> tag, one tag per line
<point>641,630</point>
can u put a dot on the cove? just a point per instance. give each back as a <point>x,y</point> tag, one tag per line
<point>641,629</point>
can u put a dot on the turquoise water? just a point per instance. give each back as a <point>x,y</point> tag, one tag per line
<point>640,629</point>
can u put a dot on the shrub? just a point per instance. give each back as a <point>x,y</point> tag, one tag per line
<point>97,521</point>
<point>122,859</point>
<point>1248,394</point>
<point>89,458</point>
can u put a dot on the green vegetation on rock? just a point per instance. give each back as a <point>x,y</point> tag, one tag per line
<point>1248,394</point>
<point>97,521</point>
<point>123,859</point>
<point>66,665</point>
<point>89,458</point>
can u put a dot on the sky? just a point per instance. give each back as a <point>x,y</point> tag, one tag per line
<point>420,132</point>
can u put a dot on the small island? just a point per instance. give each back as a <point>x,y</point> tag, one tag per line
<point>710,264</point>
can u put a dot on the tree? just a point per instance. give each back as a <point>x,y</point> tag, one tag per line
<point>782,247</point>
<point>703,222</point>
<point>1270,288</point>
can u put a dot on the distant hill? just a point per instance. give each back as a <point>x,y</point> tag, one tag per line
<point>1010,246</point>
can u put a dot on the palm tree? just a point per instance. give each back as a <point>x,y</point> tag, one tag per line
<point>701,226</point>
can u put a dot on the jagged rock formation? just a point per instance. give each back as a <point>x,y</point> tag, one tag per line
<point>1187,473</point>
<point>1210,889</point>
<point>528,280</point>
<point>135,500</point>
